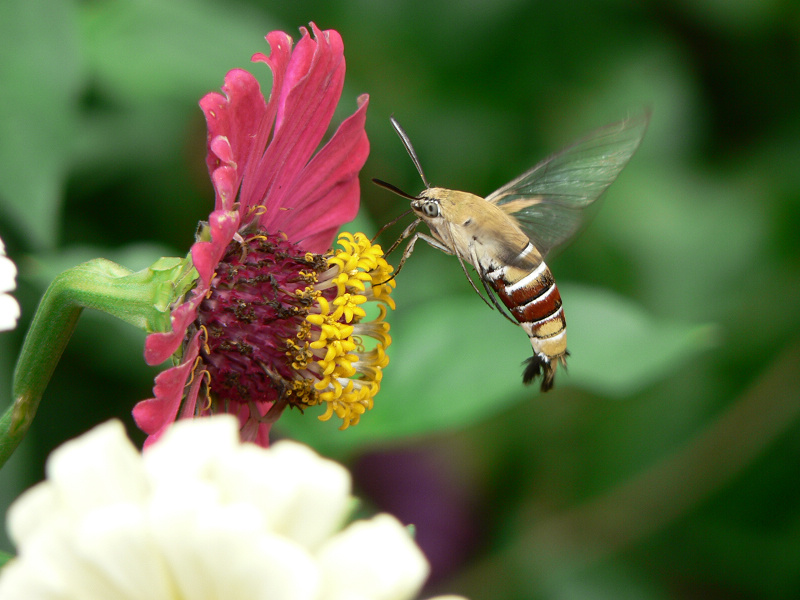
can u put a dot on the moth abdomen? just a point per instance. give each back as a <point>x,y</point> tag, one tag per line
<point>534,300</point>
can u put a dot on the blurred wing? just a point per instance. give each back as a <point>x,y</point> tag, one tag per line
<point>548,201</point>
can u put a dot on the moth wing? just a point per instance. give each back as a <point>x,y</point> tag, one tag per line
<point>549,201</point>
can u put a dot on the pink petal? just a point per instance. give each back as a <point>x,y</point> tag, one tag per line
<point>250,427</point>
<point>306,108</point>
<point>206,255</point>
<point>278,61</point>
<point>235,116</point>
<point>326,193</point>
<point>321,241</point>
<point>159,346</point>
<point>190,398</point>
<point>301,61</point>
<point>153,415</point>
<point>262,437</point>
<point>317,235</point>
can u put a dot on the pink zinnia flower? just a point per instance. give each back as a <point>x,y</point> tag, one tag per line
<point>273,321</point>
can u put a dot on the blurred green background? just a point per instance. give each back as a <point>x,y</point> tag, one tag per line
<point>665,463</point>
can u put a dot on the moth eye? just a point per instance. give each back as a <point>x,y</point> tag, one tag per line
<point>431,209</point>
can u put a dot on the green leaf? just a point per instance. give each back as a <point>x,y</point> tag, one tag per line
<point>617,348</point>
<point>679,239</point>
<point>40,78</point>
<point>145,50</point>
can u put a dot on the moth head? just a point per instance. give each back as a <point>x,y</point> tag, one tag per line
<point>428,204</point>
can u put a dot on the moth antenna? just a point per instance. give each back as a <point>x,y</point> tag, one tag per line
<point>410,149</point>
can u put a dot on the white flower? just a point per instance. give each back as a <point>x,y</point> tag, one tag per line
<point>200,516</point>
<point>9,309</point>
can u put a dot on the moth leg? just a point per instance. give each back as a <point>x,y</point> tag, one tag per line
<point>433,242</point>
<point>440,246</point>
<point>410,247</point>
<point>406,253</point>
<point>406,233</point>
<point>472,283</point>
<point>491,293</point>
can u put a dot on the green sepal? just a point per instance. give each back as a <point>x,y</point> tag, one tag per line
<point>174,278</point>
<point>143,299</point>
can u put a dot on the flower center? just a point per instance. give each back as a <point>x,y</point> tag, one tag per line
<point>286,326</point>
<point>260,295</point>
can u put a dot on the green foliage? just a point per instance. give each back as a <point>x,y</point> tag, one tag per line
<point>41,78</point>
<point>663,464</point>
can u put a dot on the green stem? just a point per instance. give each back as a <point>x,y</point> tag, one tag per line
<point>141,299</point>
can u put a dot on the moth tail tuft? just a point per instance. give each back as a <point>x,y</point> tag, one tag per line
<point>539,364</point>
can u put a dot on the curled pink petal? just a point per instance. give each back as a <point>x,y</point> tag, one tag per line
<point>153,415</point>
<point>206,255</point>
<point>235,116</point>
<point>158,347</point>
<point>221,147</point>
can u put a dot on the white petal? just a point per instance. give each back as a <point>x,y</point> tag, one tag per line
<point>218,552</point>
<point>302,496</point>
<point>96,469</point>
<point>35,508</point>
<point>116,545</point>
<point>9,307</point>
<point>9,312</point>
<point>320,499</point>
<point>374,559</point>
<point>191,448</point>
<point>49,566</point>
<point>20,580</point>
<point>8,274</point>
